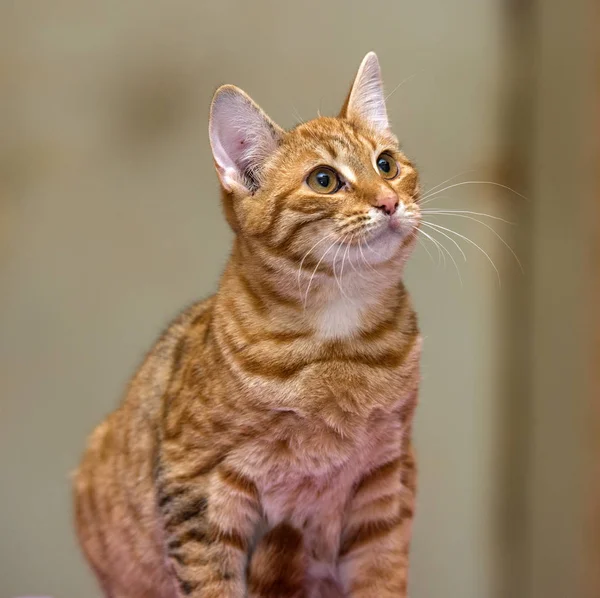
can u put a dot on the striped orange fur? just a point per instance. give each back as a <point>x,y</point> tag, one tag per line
<point>263,448</point>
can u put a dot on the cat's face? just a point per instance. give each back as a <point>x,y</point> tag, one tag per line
<point>332,185</point>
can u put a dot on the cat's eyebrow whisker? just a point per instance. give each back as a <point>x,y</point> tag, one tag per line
<point>460,212</point>
<point>450,254</point>
<point>431,194</point>
<point>437,227</point>
<point>495,233</point>
<point>315,271</point>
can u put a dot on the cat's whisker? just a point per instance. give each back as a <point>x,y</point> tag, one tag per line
<point>378,255</point>
<point>437,226</point>
<point>446,181</point>
<point>451,258</point>
<point>431,194</point>
<point>315,271</point>
<point>373,251</point>
<point>344,259</point>
<point>337,279</point>
<point>436,244</point>
<point>442,249</point>
<point>422,244</point>
<point>435,198</point>
<point>459,212</point>
<point>352,265</point>
<point>365,260</point>
<point>495,233</point>
<point>325,238</point>
<point>453,241</point>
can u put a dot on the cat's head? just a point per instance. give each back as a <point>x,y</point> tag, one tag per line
<point>340,182</point>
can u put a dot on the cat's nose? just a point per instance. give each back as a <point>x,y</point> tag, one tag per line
<point>387,204</point>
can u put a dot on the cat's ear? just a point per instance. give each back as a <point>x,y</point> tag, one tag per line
<point>242,137</point>
<point>366,100</point>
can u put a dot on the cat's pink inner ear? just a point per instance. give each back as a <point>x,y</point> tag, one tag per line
<point>366,100</point>
<point>242,137</point>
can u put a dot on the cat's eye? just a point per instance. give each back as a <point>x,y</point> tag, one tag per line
<point>387,166</point>
<point>324,180</point>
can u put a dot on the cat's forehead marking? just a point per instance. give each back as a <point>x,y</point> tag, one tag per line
<point>346,171</point>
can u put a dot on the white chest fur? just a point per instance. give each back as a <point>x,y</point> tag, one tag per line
<point>339,318</point>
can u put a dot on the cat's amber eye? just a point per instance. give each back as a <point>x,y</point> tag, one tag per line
<point>387,166</point>
<point>324,180</point>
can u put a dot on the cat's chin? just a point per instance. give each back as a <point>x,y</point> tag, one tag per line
<point>393,233</point>
<point>385,243</point>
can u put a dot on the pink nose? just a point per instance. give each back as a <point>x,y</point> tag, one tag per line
<point>387,204</point>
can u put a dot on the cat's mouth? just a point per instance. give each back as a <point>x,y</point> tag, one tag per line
<point>396,228</point>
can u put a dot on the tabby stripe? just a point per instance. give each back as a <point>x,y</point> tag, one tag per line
<point>294,260</point>
<point>201,318</point>
<point>379,507</point>
<point>380,475</point>
<point>187,560</point>
<point>252,337</point>
<point>186,587</point>
<point>258,297</point>
<point>177,356</point>
<point>92,505</point>
<point>196,508</point>
<point>201,470</point>
<point>195,534</point>
<point>277,297</point>
<point>407,512</point>
<point>230,538</point>
<point>260,366</point>
<point>389,324</point>
<point>105,445</point>
<point>178,558</point>
<point>164,499</point>
<point>240,483</point>
<point>277,209</point>
<point>285,243</point>
<point>309,208</point>
<point>368,532</point>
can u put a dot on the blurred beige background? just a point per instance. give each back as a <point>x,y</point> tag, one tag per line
<point>110,223</point>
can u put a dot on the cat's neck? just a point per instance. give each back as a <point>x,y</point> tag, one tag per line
<point>278,296</point>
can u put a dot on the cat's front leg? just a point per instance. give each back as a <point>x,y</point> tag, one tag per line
<point>375,540</point>
<point>209,522</point>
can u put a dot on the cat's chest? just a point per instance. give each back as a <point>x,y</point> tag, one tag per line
<point>314,505</point>
<point>310,485</point>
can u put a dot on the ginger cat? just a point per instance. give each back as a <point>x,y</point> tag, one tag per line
<point>263,448</point>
